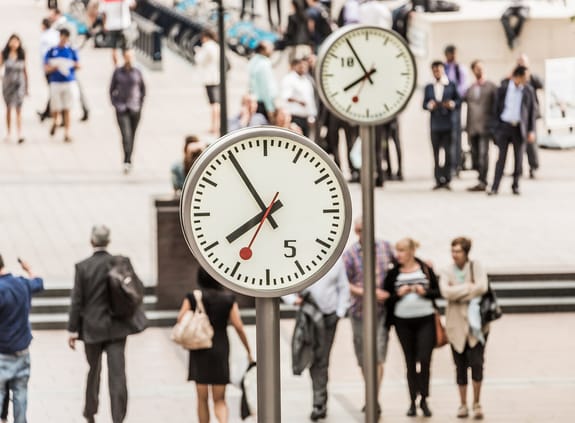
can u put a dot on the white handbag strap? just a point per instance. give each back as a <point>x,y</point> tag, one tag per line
<point>199,302</point>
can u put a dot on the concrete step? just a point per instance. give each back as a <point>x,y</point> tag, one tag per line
<point>46,305</point>
<point>526,288</point>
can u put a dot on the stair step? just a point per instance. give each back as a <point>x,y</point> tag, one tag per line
<point>63,290</point>
<point>535,289</point>
<point>62,304</point>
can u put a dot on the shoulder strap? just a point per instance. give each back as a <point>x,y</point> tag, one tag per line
<point>199,302</point>
<point>471,270</point>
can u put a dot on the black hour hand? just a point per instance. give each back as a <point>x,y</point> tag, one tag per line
<point>253,222</point>
<point>357,81</point>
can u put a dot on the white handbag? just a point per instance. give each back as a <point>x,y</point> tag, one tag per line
<point>194,331</point>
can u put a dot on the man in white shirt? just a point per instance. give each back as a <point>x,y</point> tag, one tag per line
<point>207,58</point>
<point>297,92</point>
<point>374,12</point>
<point>331,297</point>
<point>116,20</point>
<point>49,38</point>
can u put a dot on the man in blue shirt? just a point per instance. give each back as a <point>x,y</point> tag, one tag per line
<point>16,335</point>
<point>60,64</point>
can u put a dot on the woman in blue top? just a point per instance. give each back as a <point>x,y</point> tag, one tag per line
<point>413,286</point>
<point>14,83</point>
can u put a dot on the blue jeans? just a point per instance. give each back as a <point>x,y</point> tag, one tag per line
<point>15,369</point>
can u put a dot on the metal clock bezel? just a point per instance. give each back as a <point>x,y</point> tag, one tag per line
<point>324,51</point>
<point>212,152</point>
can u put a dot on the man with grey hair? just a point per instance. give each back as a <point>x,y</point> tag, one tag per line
<point>91,321</point>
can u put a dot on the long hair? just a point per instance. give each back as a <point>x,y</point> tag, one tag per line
<point>20,53</point>
<point>196,150</point>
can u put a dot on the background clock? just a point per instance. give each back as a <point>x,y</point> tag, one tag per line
<point>265,211</point>
<point>366,75</point>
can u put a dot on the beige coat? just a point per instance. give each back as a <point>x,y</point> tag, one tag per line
<point>458,296</point>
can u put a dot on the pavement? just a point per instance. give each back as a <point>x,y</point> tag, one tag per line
<point>51,194</point>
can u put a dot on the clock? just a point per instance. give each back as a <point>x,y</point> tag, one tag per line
<point>365,74</point>
<point>265,211</point>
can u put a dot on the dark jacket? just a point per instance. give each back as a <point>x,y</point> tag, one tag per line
<point>309,329</point>
<point>528,108</point>
<point>90,315</point>
<point>432,292</point>
<point>440,117</point>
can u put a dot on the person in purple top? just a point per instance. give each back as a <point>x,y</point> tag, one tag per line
<point>456,74</point>
<point>127,92</point>
<point>16,335</point>
<point>60,64</point>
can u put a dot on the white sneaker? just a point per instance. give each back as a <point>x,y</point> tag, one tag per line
<point>462,412</point>
<point>127,168</point>
<point>477,411</point>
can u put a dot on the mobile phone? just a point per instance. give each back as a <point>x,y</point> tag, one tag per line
<point>19,260</point>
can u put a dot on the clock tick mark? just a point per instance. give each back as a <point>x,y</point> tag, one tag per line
<point>202,214</point>
<point>265,148</point>
<point>400,54</point>
<point>323,178</point>
<point>296,158</point>
<point>298,265</point>
<point>320,242</point>
<point>235,269</point>
<point>267,276</point>
<point>400,93</point>
<point>331,210</point>
<point>209,247</point>
<point>209,181</point>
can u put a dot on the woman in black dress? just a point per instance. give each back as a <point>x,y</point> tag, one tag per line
<point>210,367</point>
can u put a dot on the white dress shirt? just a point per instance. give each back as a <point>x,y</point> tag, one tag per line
<point>512,108</point>
<point>299,88</point>
<point>374,12</point>
<point>207,58</point>
<point>330,293</point>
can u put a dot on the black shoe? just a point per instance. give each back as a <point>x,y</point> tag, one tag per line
<point>21,140</point>
<point>85,116</point>
<point>412,412</point>
<point>492,192</point>
<point>354,178</point>
<point>318,412</point>
<point>379,182</point>
<point>53,130</point>
<point>532,173</point>
<point>42,116</point>
<point>436,187</point>
<point>447,187</point>
<point>398,177</point>
<point>477,188</point>
<point>515,190</point>
<point>424,408</point>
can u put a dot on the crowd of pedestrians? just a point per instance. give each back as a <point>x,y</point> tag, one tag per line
<point>406,290</point>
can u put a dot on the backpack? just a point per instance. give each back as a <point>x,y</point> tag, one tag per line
<point>125,289</point>
<point>194,331</point>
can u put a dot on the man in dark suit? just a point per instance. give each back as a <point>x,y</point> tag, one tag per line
<point>515,111</point>
<point>91,321</point>
<point>441,98</point>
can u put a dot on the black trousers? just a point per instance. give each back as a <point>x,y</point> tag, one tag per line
<point>319,369</point>
<point>441,140</point>
<point>128,122</point>
<point>334,124</point>
<point>5,404</point>
<point>513,29</point>
<point>417,339</point>
<point>116,378</point>
<point>480,155</point>
<point>469,358</point>
<point>302,122</point>
<point>508,135</point>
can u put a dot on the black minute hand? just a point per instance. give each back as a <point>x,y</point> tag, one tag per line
<point>365,73</point>
<point>251,188</point>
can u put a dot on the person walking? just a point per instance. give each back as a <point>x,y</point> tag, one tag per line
<point>16,336</point>
<point>207,57</point>
<point>331,296</point>
<point>462,284</point>
<point>298,95</point>
<point>412,287</point>
<point>14,83</point>
<point>456,74</point>
<point>209,368</point>
<point>61,63</point>
<point>440,99</point>
<point>262,83</point>
<point>480,99</point>
<point>127,92</point>
<point>353,260</point>
<point>515,111</point>
<point>297,37</point>
<point>532,148</point>
<point>48,38</point>
<point>116,22</point>
<point>90,320</point>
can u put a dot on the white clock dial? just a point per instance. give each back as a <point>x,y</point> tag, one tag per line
<point>265,211</point>
<point>365,74</point>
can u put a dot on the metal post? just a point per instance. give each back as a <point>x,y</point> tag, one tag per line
<point>223,93</point>
<point>268,358</point>
<point>367,134</point>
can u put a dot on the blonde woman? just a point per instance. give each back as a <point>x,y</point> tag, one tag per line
<point>413,286</point>
<point>462,284</point>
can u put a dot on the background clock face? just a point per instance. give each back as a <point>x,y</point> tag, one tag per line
<point>250,173</point>
<point>366,74</point>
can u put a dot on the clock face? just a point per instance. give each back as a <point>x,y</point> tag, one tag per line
<point>265,211</point>
<point>366,75</point>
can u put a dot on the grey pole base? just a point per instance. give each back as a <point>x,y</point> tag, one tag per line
<point>367,134</point>
<point>268,359</point>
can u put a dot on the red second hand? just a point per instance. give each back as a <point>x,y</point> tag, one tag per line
<point>246,252</point>
<point>355,98</point>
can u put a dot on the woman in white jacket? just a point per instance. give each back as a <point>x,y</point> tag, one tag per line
<point>462,284</point>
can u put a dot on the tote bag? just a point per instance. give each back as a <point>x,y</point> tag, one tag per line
<point>194,331</point>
